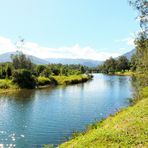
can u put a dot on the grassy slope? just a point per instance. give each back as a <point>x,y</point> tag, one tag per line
<point>128,128</point>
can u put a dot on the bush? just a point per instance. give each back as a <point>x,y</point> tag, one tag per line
<point>46,81</point>
<point>43,81</point>
<point>23,78</point>
<point>5,84</point>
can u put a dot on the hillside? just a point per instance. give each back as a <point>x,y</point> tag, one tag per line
<point>6,57</point>
<point>85,62</point>
<point>128,128</point>
<point>129,54</point>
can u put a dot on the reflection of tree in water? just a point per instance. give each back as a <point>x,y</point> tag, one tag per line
<point>21,96</point>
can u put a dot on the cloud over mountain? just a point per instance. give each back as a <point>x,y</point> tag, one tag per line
<point>73,52</point>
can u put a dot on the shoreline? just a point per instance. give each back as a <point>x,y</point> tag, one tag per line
<point>82,79</point>
<point>117,130</point>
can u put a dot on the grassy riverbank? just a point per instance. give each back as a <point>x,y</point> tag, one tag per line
<point>6,85</point>
<point>127,128</point>
<point>125,73</point>
<point>73,79</point>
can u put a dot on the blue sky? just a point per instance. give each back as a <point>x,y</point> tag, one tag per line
<point>62,28</point>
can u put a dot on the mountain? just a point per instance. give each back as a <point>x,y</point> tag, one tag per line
<point>6,57</point>
<point>85,62</point>
<point>129,54</point>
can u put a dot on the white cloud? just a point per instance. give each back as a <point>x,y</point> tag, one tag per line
<point>75,52</point>
<point>129,41</point>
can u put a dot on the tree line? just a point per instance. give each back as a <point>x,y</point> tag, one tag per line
<point>112,65</point>
<point>25,74</point>
<point>141,42</point>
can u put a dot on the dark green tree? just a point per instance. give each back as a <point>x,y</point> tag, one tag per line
<point>24,79</point>
<point>21,61</point>
<point>122,64</point>
<point>141,41</point>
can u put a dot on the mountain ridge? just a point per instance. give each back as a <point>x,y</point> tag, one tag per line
<point>6,57</point>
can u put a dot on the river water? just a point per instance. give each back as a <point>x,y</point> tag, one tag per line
<point>31,118</point>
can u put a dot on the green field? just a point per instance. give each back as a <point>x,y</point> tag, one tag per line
<point>127,128</point>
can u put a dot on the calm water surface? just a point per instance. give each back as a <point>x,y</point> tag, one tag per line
<point>29,119</point>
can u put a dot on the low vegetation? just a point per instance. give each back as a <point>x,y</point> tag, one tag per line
<point>125,73</point>
<point>73,79</point>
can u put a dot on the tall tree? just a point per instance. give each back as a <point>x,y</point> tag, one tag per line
<point>122,63</point>
<point>141,41</point>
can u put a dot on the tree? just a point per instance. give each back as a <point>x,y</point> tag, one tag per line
<point>109,66</point>
<point>8,70</point>
<point>21,61</point>
<point>133,62</point>
<point>23,78</point>
<point>141,41</point>
<point>122,63</point>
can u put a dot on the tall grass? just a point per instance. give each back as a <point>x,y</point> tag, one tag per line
<point>73,79</point>
<point>6,84</point>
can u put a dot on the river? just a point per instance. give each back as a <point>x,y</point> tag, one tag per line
<point>31,118</point>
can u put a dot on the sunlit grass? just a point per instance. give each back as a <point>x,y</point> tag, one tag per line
<point>125,73</point>
<point>72,79</point>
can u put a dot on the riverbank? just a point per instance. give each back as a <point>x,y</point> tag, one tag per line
<point>125,73</point>
<point>127,128</point>
<point>6,85</point>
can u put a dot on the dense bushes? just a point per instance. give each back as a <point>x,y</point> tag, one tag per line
<point>43,81</point>
<point>73,79</point>
<point>24,79</point>
<point>5,84</point>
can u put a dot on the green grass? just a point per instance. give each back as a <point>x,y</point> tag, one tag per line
<point>43,81</point>
<point>125,73</point>
<point>72,79</point>
<point>127,128</point>
<point>6,85</point>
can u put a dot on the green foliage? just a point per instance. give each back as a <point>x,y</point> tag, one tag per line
<point>73,79</point>
<point>142,61</point>
<point>20,61</point>
<point>112,65</point>
<point>122,64</point>
<point>5,84</point>
<point>133,62</point>
<point>76,134</point>
<point>5,70</point>
<point>23,78</point>
<point>41,80</point>
<point>27,75</point>
<point>141,42</point>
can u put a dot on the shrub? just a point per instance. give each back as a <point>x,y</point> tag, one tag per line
<point>43,81</point>
<point>23,78</point>
<point>5,84</point>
